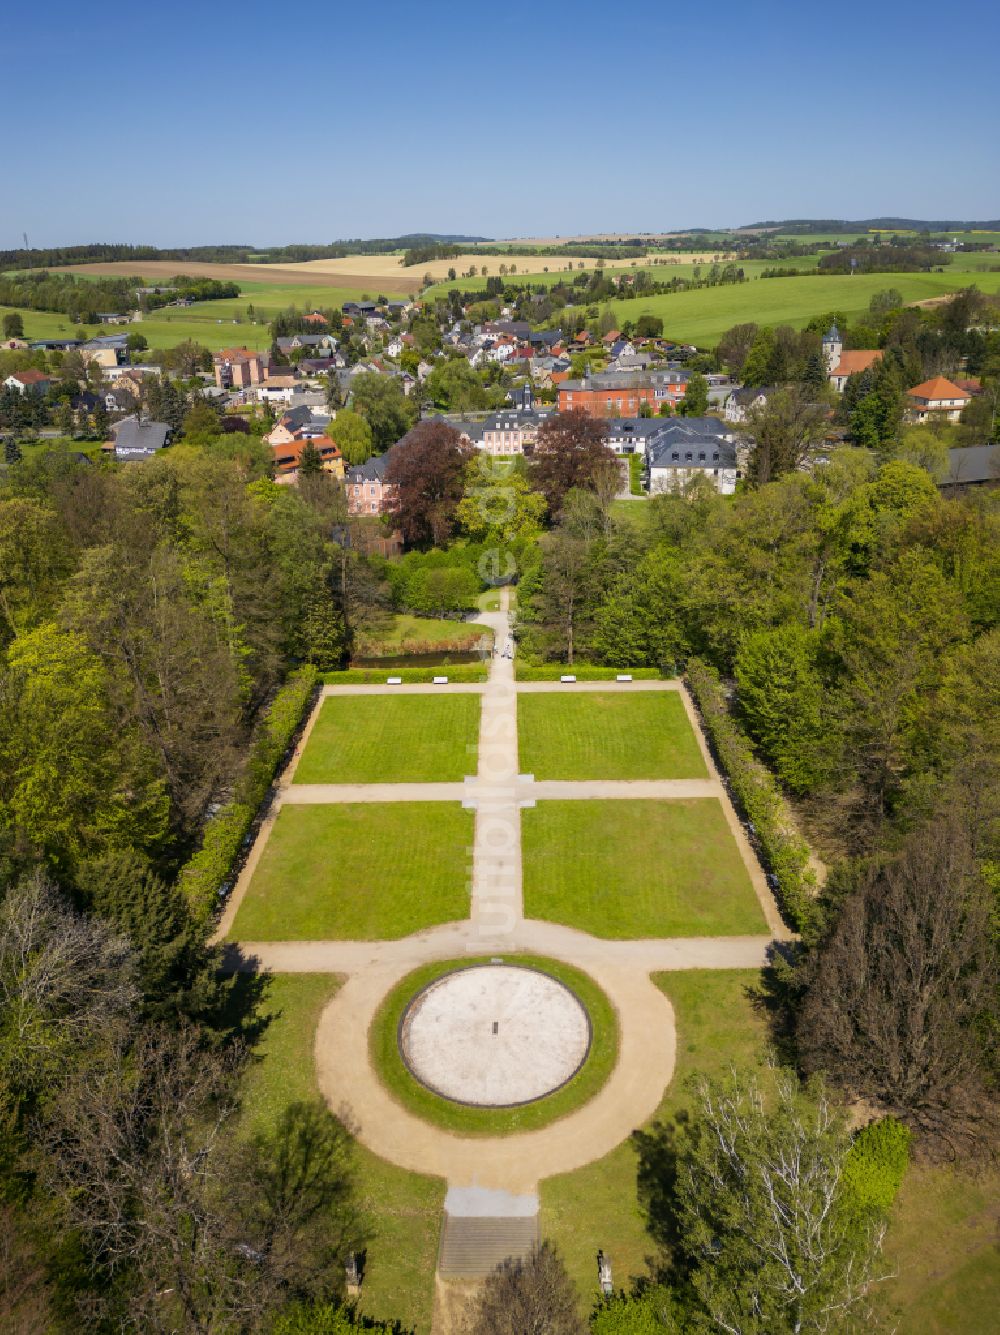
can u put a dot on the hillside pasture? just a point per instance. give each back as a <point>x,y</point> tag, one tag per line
<point>702,316</point>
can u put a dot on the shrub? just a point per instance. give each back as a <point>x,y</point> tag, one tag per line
<point>875,1164</point>
<point>207,874</point>
<point>582,671</point>
<point>411,676</point>
<point>759,797</point>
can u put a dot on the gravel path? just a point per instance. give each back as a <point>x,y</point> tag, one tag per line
<point>497,928</point>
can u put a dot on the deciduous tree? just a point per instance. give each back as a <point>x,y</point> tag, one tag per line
<point>533,1296</point>
<point>571,451</point>
<point>427,472</point>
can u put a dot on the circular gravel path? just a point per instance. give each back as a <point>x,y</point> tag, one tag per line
<point>494,1035</point>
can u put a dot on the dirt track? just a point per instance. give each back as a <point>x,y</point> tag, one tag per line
<point>291,274</point>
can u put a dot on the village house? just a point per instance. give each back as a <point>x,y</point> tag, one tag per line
<point>297,424</point>
<point>367,491</point>
<point>288,456</point>
<point>238,368</point>
<point>318,345</point>
<point>742,401</point>
<point>108,350</point>
<point>28,382</point>
<point>935,400</point>
<point>135,438</point>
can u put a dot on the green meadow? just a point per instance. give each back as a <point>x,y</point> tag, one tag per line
<point>703,315</point>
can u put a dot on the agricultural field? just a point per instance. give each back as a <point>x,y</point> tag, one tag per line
<point>401,739</point>
<point>629,869</point>
<point>358,872</point>
<point>607,735</point>
<point>702,316</point>
<point>402,1211</point>
<point>354,273</point>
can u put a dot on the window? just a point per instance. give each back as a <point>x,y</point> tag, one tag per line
<point>373,508</point>
<point>372,491</point>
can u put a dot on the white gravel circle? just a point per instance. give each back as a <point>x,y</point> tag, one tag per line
<point>494,1035</point>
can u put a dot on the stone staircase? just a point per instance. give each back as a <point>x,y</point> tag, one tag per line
<point>482,1229</point>
<point>472,1248</point>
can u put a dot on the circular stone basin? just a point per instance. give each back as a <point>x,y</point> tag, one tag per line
<point>494,1035</point>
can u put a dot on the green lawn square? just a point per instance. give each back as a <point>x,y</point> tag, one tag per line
<point>607,735</point>
<point>392,739</point>
<point>368,871</point>
<point>624,870</point>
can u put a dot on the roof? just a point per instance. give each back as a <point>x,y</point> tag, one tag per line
<point>856,360</point>
<point>938,388</point>
<point>372,470</point>
<point>973,463</point>
<point>832,335</point>
<point>235,355</point>
<point>138,439</point>
<point>30,377</point>
<point>694,451</point>
<point>288,455</point>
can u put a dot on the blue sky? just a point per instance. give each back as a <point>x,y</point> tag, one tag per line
<point>264,123</point>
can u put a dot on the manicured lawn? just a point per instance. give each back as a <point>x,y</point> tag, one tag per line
<point>403,1210</point>
<point>624,870</point>
<point>401,739</point>
<point>359,871</point>
<point>599,1206</point>
<point>607,735</point>
<point>394,1074</point>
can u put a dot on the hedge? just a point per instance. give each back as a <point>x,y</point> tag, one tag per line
<point>207,875</point>
<point>757,793</point>
<point>582,672</point>
<point>635,474</point>
<point>377,676</point>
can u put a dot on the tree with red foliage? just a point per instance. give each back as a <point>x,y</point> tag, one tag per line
<point>571,451</point>
<point>427,469</point>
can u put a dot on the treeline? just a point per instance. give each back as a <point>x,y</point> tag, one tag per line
<point>855,615</point>
<point>223,254</point>
<point>149,615</point>
<point>423,254</point>
<point>900,255</point>
<point>82,299</point>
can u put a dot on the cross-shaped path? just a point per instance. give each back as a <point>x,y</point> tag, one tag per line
<point>497,927</point>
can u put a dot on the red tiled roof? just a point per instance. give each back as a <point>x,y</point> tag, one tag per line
<point>30,377</point>
<point>937,388</point>
<point>286,456</point>
<point>856,360</point>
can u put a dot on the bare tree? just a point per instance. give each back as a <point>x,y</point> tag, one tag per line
<point>531,1296</point>
<point>67,984</point>
<point>896,1008</point>
<point>206,1230</point>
